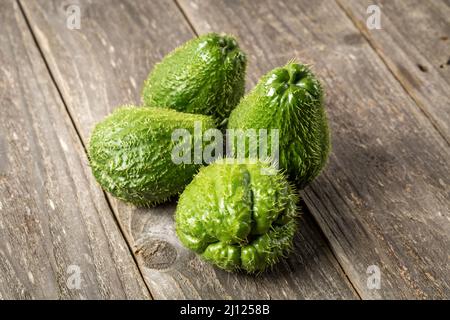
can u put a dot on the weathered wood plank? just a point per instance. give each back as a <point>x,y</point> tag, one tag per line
<point>383,199</point>
<point>414,42</point>
<point>103,65</point>
<point>54,221</point>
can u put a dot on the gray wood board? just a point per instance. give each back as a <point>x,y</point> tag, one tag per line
<point>383,199</point>
<point>414,42</point>
<point>58,237</point>
<point>103,65</point>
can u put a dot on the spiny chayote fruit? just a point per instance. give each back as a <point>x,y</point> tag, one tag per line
<point>238,216</point>
<point>290,99</point>
<point>130,153</point>
<point>205,75</point>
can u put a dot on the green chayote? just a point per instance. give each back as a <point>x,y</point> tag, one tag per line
<point>205,75</point>
<point>130,153</point>
<point>238,216</point>
<point>289,99</point>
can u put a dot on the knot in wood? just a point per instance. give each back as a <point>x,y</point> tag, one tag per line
<point>157,254</point>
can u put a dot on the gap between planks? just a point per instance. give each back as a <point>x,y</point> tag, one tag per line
<point>116,221</point>
<point>186,18</point>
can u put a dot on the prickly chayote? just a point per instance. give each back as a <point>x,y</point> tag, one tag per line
<point>290,99</point>
<point>238,216</point>
<point>205,75</point>
<point>130,153</point>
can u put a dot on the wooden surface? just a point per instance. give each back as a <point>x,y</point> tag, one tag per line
<point>52,214</point>
<point>383,199</point>
<point>170,270</point>
<point>416,50</point>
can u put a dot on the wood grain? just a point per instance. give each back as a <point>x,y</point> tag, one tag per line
<point>414,42</point>
<point>54,221</point>
<point>383,200</point>
<point>103,65</point>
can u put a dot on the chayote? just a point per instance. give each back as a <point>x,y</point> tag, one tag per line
<point>238,216</point>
